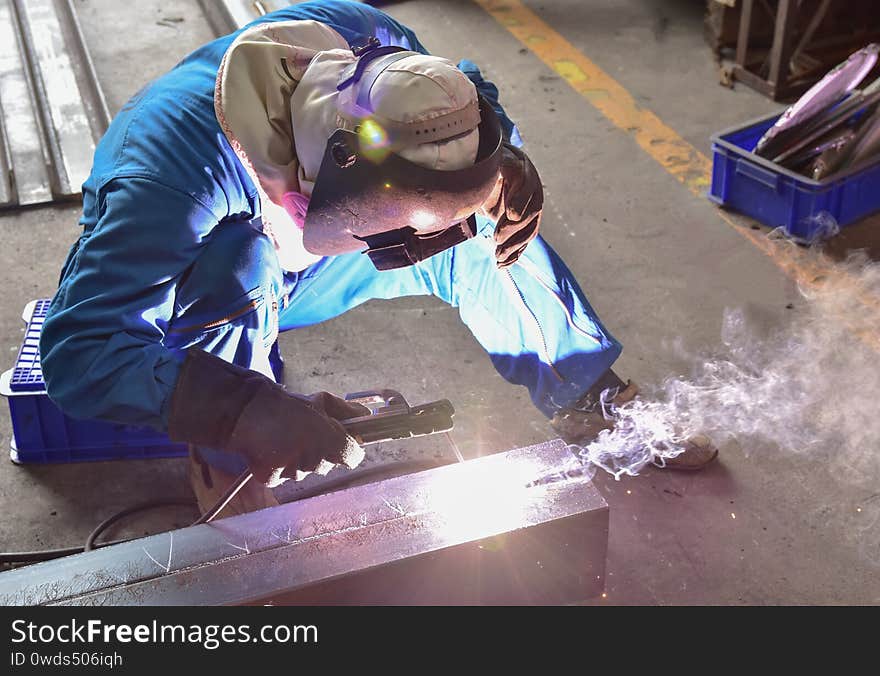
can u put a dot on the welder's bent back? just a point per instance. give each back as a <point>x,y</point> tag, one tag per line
<point>166,187</point>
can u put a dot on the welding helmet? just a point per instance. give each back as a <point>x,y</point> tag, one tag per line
<point>370,195</point>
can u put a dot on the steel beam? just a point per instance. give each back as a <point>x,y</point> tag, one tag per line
<point>227,16</point>
<point>52,111</point>
<point>469,533</point>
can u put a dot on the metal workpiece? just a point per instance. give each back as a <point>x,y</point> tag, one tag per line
<point>477,532</point>
<point>52,110</point>
<point>226,16</point>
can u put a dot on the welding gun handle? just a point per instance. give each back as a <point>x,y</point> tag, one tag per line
<point>417,421</point>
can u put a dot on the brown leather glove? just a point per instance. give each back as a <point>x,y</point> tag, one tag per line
<point>281,435</point>
<point>515,205</point>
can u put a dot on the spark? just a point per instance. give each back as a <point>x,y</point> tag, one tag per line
<point>246,549</point>
<point>287,539</point>
<point>732,515</point>
<point>166,567</point>
<point>395,507</point>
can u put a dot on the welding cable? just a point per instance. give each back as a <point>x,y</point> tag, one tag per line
<point>353,478</point>
<point>208,516</point>
<point>48,554</point>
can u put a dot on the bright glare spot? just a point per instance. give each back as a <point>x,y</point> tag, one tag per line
<point>480,498</point>
<point>629,492</point>
<point>732,515</point>
<point>858,509</point>
<point>373,135</point>
<point>604,595</point>
<point>423,219</point>
<point>387,185</point>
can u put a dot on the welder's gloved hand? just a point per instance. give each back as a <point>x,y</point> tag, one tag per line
<point>281,435</point>
<point>515,205</point>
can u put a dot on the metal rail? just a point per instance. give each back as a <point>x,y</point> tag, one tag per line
<point>226,16</point>
<point>52,110</point>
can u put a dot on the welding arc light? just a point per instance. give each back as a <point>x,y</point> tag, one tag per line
<point>479,498</point>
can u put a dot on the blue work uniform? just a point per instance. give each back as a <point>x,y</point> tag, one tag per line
<point>172,257</point>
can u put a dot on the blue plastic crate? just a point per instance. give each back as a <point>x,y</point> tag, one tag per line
<point>43,434</point>
<point>779,197</point>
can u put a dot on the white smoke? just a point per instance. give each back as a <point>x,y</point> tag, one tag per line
<point>810,387</point>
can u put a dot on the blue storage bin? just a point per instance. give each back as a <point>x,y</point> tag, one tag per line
<point>779,197</point>
<point>43,434</point>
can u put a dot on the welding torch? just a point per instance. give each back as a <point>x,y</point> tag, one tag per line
<point>390,417</point>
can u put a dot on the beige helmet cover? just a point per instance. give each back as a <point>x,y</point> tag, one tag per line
<point>255,81</point>
<point>256,78</point>
<point>277,104</point>
<point>414,89</point>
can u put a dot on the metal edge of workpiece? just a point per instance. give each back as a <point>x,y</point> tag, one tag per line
<point>68,112</point>
<point>259,555</point>
<point>28,161</point>
<point>96,101</point>
<point>218,15</point>
<point>7,183</point>
<point>227,16</point>
<point>52,42</point>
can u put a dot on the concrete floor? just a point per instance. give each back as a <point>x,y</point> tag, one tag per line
<point>658,264</point>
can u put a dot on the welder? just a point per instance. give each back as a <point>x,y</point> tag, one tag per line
<point>276,178</point>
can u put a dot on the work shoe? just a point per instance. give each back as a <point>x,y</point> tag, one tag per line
<point>698,452</point>
<point>581,423</point>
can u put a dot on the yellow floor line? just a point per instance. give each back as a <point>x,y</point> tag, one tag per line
<point>672,152</point>
<point>678,157</point>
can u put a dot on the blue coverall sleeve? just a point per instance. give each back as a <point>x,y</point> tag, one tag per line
<point>102,344</point>
<point>490,92</point>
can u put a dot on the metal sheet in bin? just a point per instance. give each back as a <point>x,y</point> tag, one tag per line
<point>779,197</point>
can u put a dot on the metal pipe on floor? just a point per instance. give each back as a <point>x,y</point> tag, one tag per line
<point>53,110</point>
